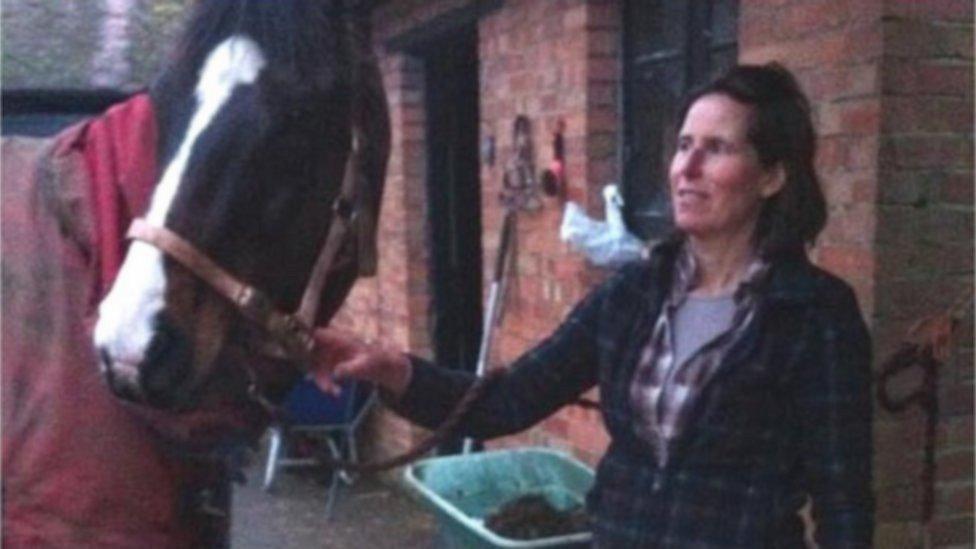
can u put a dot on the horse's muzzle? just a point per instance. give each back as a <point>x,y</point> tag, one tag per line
<point>159,380</point>
<point>122,379</point>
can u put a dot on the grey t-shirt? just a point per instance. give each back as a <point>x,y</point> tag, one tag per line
<point>697,321</point>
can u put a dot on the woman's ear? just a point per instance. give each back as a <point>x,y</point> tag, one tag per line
<point>773,181</point>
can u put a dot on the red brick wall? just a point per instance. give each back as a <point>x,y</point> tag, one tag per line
<point>891,87</point>
<point>924,253</point>
<point>835,51</point>
<point>551,61</point>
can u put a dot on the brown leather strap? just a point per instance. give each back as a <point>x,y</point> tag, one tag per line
<point>371,122</point>
<point>292,334</point>
<point>344,210</point>
<point>343,216</point>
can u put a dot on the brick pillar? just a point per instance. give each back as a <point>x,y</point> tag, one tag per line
<point>891,87</point>
<point>924,256</point>
<point>835,51</point>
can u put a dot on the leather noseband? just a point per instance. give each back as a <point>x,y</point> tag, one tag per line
<point>291,333</point>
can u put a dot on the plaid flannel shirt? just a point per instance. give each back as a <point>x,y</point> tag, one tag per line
<point>786,416</point>
<point>663,393</point>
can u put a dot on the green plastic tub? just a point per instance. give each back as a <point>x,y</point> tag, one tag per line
<point>461,490</point>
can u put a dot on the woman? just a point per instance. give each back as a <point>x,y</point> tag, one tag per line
<point>734,375</point>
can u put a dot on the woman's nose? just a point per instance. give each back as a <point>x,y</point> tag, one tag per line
<point>690,163</point>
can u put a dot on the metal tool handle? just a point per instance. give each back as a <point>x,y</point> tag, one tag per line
<point>496,294</point>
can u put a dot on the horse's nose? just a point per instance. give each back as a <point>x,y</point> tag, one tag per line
<point>165,368</point>
<point>122,380</point>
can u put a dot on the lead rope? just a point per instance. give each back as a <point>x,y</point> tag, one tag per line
<point>436,437</point>
<point>930,349</point>
<point>439,435</point>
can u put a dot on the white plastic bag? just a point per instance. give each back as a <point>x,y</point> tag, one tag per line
<point>604,243</point>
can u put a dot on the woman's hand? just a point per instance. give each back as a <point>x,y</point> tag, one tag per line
<point>339,355</point>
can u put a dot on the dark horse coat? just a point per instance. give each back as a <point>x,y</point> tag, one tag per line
<point>81,468</point>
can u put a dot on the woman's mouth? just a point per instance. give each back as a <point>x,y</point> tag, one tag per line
<point>691,196</point>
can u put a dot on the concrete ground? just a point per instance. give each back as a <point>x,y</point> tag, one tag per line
<point>369,514</point>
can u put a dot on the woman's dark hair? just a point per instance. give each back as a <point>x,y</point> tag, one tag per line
<point>782,133</point>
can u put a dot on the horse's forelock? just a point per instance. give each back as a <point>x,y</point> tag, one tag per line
<point>305,43</point>
<point>299,35</point>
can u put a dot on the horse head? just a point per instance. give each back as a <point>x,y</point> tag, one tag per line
<point>258,114</point>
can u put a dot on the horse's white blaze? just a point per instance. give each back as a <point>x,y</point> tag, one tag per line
<point>125,316</point>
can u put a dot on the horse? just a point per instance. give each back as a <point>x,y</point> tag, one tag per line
<point>128,375</point>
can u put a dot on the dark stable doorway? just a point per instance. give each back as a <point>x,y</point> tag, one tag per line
<point>454,201</point>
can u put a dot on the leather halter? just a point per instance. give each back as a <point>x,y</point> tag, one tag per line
<point>291,334</point>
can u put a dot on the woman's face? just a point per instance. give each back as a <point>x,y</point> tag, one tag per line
<point>717,183</point>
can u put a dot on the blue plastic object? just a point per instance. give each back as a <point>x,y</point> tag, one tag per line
<point>306,404</point>
<point>332,420</point>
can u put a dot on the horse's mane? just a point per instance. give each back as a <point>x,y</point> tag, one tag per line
<point>303,42</point>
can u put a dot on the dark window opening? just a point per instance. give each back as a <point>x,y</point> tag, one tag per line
<point>670,46</point>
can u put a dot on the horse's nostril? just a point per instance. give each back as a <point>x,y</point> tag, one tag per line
<point>104,363</point>
<point>165,367</point>
<point>117,384</point>
<point>159,345</point>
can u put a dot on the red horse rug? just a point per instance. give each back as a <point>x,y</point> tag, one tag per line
<point>81,468</point>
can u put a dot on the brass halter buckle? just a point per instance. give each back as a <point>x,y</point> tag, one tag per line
<point>254,304</point>
<point>292,334</point>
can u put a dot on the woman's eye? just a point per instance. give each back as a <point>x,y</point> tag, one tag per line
<point>720,147</point>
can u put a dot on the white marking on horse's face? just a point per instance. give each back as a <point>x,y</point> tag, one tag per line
<point>126,315</point>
